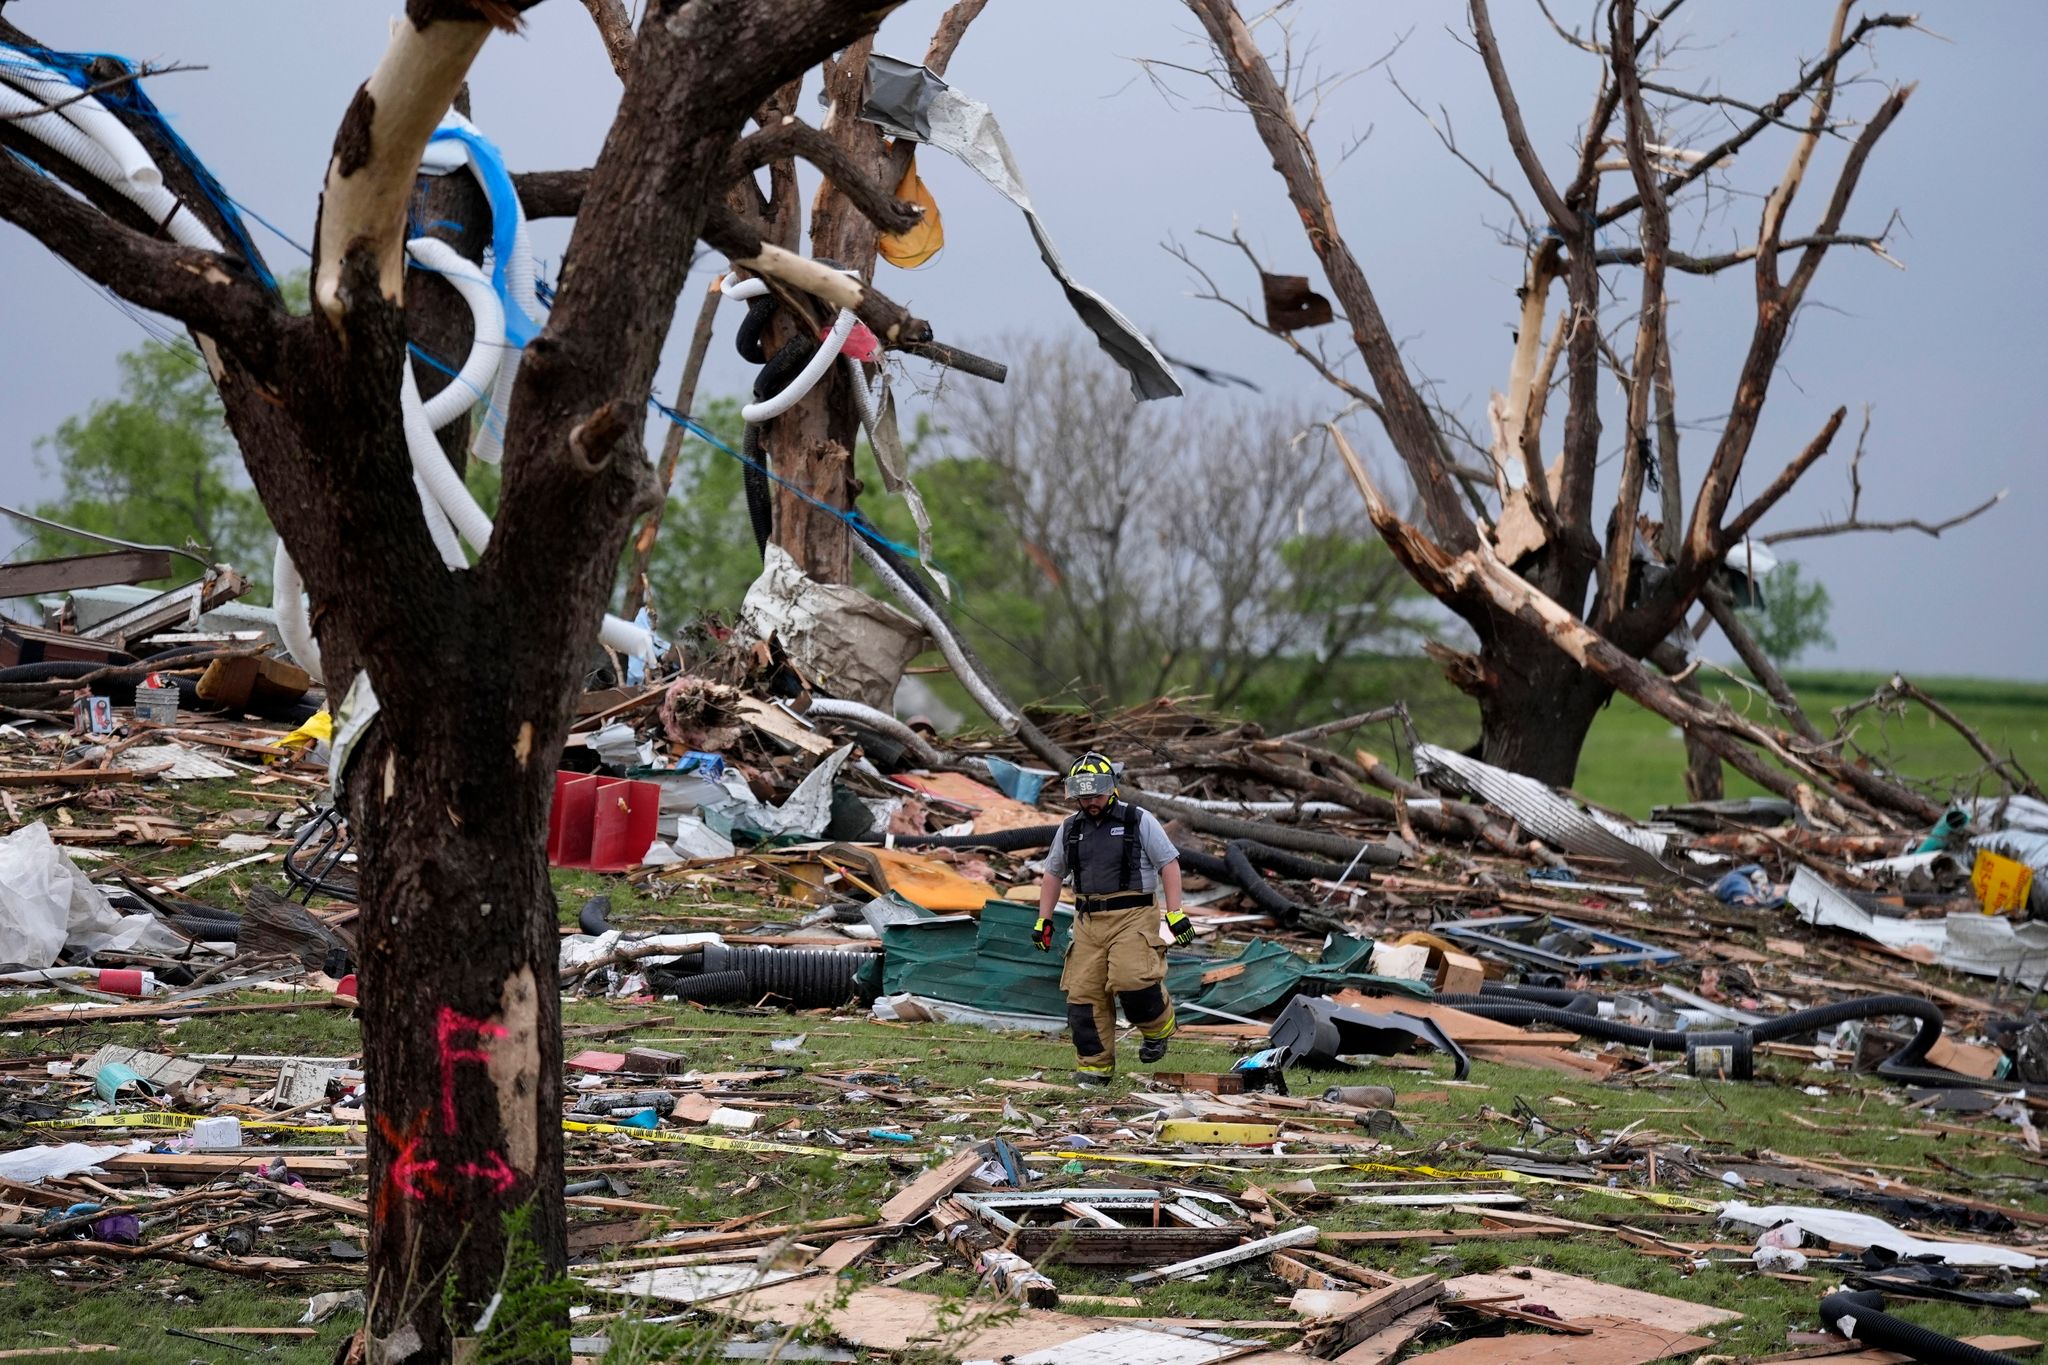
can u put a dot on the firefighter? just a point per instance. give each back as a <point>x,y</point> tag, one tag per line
<point>1118,855</point>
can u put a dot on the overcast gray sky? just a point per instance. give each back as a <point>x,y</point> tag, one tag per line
<point>1948,351</point>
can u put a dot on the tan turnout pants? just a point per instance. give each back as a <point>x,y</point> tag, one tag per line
<point>1116,956</point>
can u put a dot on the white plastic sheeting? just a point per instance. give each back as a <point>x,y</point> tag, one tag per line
<point>47,904</point>
<point>1861,1230</point>
<point>32,1164</point>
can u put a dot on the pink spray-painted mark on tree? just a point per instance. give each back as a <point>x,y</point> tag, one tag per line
<point>460,1038</point>
<point>492,1170</point>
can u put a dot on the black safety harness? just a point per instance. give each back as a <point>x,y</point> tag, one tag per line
<point>1129,893</point>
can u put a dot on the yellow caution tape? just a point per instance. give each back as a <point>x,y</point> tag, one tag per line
<point>169,1120</point>
<point>719,1144</point>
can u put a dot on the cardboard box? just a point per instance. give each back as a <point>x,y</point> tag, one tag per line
<point>1461,974</point>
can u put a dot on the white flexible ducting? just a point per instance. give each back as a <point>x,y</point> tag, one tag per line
<point>984,696</point>
<point>430,464</point>
<point>293,624</point>
<point>881,722</point>
<point>67,140</point>
<point>821,360</point>
<point>86,113</point>
<point>487,315</point>
<point>807,378</point>
<point>440,530</point>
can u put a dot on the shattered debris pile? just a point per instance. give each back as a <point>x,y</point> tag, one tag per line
<point>1382,967</point>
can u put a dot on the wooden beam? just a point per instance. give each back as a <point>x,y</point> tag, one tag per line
<point>83,571</point>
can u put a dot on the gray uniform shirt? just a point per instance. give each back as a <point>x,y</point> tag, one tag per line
<point>1155,850</point>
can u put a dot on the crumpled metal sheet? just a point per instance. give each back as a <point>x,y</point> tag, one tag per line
<point>843,640</point>
<point>909,101</point>
<point>1982,945</point>
<point>1545,814</point>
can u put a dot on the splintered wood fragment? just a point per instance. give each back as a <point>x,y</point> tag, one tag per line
<point>1374,1313</point>
<point>908,1205</point>
<point>1383,1345</point>
<point>1293,1237</point>
<point>1609,1341</point>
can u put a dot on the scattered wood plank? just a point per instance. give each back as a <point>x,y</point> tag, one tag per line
<point>1280,1241</point>
<point>909,1204</point>
<point>1613,1341</point>
<point>1374,1313</point>
<point>1573,1296</point>
<point>1383,1345</point>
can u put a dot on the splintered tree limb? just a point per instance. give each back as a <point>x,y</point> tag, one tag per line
<point>211,293</point>
<point>1405,416</point>
<point>377,148</point>
<point>1722,609</point>
<point>1732,734</point>
<point>742,243</point>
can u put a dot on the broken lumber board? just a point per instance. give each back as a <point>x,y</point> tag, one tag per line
<point>204,1166</point>
<point>43,1017</point>
<point>2010,1346</point>
<point>1279,1241</point>
<point>321,1199</point>
<point>1398,1235</point>
<point>1375,1312</point>
<point>39,576</point>
<point>1457,1025</point>
<point>1383,1345</point>
<point>1612,1341</point>
<point>909,1204</point>
<point>80,777</point>
<point>900,1319</point>
<point>1573,1296</point>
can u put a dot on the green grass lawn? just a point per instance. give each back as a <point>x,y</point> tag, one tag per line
<point>1634,759</point>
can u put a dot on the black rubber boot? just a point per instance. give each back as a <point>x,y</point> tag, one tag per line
<point>1152,1050</point>
<point>1093,1079</point>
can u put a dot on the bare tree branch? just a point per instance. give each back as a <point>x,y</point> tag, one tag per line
<point>1212,294</point>
<point>615,30</point>
<point>1821,70</point>
<point>1715,264</point>
<point>1719,606</point>
<point>1405,417</point>
<point>210,293</point>
<point>1511,118</point>
<point>1855,522</point>
<point>1776,305</point>
<point>1732,533</point>
<point>1656,237</point>
<point>100,87</point>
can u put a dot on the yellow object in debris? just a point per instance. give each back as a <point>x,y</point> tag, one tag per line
<point>317,729</point>
<point>918,879</point>
<point>908,250</point>
<point>1233,1134</point>
<point>2001,883</point>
